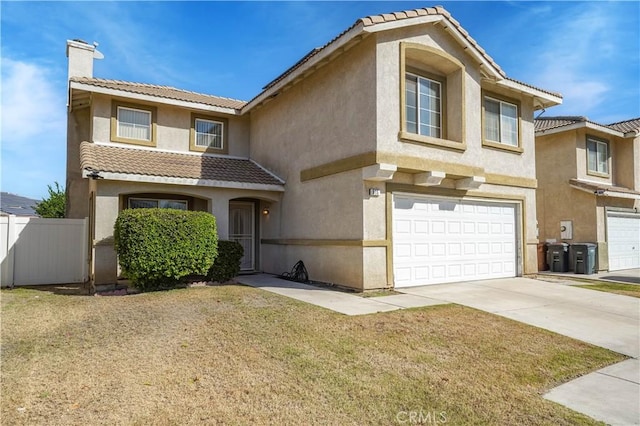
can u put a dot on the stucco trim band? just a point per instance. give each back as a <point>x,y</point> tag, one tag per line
<point>417,164</point>
<point>327,242</point>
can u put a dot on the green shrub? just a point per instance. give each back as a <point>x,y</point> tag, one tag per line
<point>227,264</point>
<point>158,247</point>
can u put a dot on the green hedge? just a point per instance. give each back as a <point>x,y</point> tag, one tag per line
<point>158,247</point>
<point>227,264</point>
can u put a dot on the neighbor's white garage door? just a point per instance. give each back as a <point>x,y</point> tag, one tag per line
<point>623,232</point>
<point>439,240</point>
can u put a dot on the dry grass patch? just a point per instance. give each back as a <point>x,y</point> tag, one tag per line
<point>237,355</point>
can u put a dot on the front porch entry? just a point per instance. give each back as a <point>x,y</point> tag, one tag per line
<point>242,229</point>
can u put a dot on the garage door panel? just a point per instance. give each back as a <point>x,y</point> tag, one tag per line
<point>623,235</point>
<point>452,240</point>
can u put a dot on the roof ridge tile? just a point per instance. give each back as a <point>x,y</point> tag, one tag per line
<point>166,92</point>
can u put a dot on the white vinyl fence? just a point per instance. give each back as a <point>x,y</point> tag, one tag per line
<point>43,251</point>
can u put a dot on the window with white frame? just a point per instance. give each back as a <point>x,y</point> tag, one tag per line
<point>597,155</point>
<point>150,203</point>
<point>134,123</point>
<point>208,133</point>
<point>500,121</point>
<point>423,113</point>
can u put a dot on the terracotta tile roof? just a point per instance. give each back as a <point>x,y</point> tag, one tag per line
<point>399,16</point>
<point>534,87</point>
<point>548,123</point>
<point>595,187</point>
<point>626,126</point>
<point>162,92</point>
<point>115,159</point>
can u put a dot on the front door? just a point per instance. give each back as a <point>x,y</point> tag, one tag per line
<point>242,230</point>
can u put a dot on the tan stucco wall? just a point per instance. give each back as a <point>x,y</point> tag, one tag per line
<point>327,116</point>
<point>173,126</point>
<point>626,163</point>
<point>322,209</point>
<point>78,130</point>
<point>556,165</point>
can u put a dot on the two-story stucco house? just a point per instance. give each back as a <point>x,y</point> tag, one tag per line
<point>589,186</point>
<point>398,154</point>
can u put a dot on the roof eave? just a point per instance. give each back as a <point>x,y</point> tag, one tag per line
<point>132,177</point>
<point>602,192</point>
<point>579,125</point>
<point>149,98</point>
<point>542,99</point>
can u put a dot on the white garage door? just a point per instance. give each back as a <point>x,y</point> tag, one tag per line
<point>623,232</point>
<point>439,240</point>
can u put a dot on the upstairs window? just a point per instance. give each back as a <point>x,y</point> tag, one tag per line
<point>597,156</point>
<point>134,124</point>
<point>500,121</point>
<point>423,112</point>
<point>208,133</point>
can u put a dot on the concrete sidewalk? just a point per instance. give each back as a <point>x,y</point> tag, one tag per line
<point>612,321</point>
<point>345,303</point>
<point>609,395</point>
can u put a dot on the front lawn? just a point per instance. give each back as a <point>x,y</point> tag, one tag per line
<point>238,355</point>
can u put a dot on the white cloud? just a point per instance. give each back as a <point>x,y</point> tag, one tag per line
<point>30,105</point>
<point>574,57</point>
<point>33,128</point>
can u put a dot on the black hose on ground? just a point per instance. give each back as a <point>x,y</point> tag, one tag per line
<point>298,273</point>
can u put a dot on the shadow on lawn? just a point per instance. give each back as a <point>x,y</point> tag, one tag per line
<point>60,289</point>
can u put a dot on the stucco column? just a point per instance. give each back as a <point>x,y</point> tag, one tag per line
<point>220,209</point>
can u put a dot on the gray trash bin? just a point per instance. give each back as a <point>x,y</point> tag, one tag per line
<point>583,258</point>
<point>558,257</point>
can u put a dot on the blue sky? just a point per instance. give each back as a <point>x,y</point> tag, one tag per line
<point>588,51</point>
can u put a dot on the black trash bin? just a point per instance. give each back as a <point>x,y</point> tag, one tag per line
<point>583,258</point>
<point>558,257</point>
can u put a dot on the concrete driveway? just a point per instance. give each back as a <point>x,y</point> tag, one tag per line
<point>603,319</point>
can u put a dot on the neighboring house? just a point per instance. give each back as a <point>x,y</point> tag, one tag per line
<point>12,204</point>
<point>398,154</point>
<point>589,186</point>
